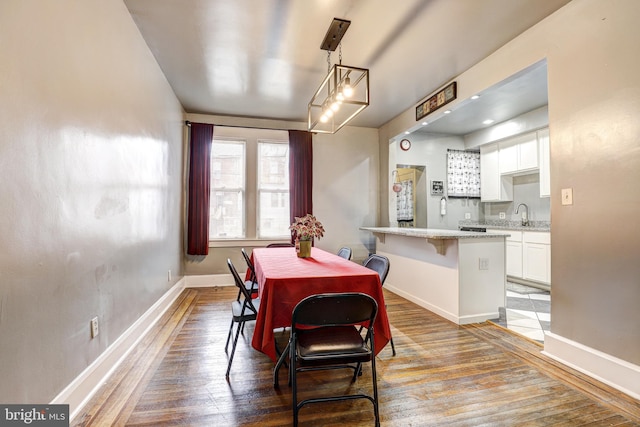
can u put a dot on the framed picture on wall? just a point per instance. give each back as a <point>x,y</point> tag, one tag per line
<point>437,188</point>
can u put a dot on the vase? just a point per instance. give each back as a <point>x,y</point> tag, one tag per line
<point>303,248</point>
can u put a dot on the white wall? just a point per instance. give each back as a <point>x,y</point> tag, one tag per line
<point>90,183</point>
<point>345,188</point>
<point>430,150</point>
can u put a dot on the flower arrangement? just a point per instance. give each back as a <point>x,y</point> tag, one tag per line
<point>307,227</point>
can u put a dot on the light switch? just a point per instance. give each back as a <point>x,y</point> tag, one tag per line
<point>567,196</point>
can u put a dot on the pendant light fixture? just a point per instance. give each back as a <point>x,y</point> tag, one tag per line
<point>343,93</point>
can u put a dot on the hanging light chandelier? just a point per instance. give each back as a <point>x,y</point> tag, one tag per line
<point>343,93</point>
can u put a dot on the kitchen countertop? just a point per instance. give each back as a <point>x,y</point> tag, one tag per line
<point>432,233</point>
<point>508,225</point>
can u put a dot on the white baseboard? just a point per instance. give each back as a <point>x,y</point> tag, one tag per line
<point>85,385</point>
<point>424,304</point>
<point>617,373</point>
<point>207,280</point>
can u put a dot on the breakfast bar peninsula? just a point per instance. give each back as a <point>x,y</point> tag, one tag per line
<point>459,275</point>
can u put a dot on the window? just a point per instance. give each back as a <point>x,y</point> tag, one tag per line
<point>273,190</point>
<point>249,184</point>
<point>227,206</point>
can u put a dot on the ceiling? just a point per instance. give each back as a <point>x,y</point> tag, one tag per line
<point>519,94</point>
<point>262,58</point>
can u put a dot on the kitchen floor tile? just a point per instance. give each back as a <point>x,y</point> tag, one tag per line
<point>527,311</point>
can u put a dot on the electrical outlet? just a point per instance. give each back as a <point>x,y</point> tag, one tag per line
<point>467,215</point>
<point>503,215</point>
<point>483,263</point>
<point>94,327</point>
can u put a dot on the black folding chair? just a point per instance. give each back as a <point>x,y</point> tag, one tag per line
<point>324,335</point>
<point>243,309</point>
<point>380,264</point>
<point>345,253</point>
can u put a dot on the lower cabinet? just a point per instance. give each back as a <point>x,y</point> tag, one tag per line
<point>529,255</point>
<point>514,254</point>
<point>536,256</point>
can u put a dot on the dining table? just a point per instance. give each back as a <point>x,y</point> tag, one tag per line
<point>284,279</point>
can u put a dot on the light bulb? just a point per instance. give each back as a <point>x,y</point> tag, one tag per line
<point>348,90</point>
<point>335,106</point>
<point>339,95</point>
<point>324,118</point>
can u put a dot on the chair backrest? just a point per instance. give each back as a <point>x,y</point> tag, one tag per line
<point>345,253</point>
<point>280,245</point>
<point>335,309</point>
<point>379,263</point>
<point>248,305</point>
<point>249,265</point>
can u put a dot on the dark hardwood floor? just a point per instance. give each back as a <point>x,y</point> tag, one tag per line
<point>443,375</point>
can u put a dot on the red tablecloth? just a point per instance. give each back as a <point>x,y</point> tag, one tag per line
<point>285,280</point>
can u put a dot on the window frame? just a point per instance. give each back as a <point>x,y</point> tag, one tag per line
<point>242,188</point>
<point>260,190</point>
<point>251,217</point>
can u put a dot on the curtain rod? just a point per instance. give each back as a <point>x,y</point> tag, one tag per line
<point>188,123</point>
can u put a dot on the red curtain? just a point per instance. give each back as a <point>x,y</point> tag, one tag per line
<point>199,189</point>
<point>300,173</point>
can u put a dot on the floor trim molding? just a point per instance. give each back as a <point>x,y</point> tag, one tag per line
<point>617,373</point>
<point>432,308</point>
<point>207,280</point>
<point>85,385</point>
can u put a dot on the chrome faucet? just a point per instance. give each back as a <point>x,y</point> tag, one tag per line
<point>525,219</point>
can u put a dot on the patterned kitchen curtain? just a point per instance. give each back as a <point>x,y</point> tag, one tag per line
<point>463,173</point>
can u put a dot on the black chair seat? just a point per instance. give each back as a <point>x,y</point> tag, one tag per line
<point>240,315</point>
<point>318,344</point>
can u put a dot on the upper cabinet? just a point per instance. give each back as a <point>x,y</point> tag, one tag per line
<point>519,155</point>
<point>493,186</point>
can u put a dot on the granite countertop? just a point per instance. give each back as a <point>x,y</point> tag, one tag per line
<point>504,224</point>
<point>431,233</point>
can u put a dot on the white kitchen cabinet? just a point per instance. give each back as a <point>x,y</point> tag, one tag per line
<point>493,186</point>
<point>514,254</point>
<point>536,256</point>
<point>518,154</point>
<point>544,160</point>
<point>528,255</point>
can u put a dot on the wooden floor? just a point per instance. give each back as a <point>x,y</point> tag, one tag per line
<point>443,375</point>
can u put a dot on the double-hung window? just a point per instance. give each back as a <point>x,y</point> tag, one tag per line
<point>249,185</point>
<point>273,190</point>
<point>227,202</point>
